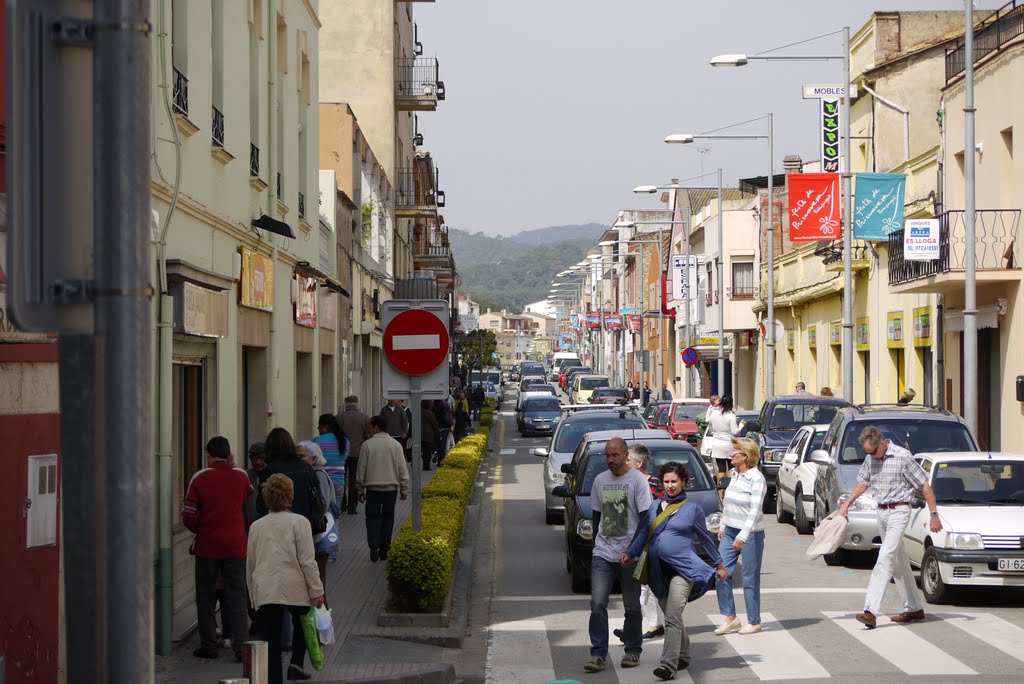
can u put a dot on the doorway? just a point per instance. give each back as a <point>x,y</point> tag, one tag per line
<point>255,401</point>
<point>989,388</point>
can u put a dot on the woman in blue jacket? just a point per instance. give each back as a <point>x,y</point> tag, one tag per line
<point>676,574</point>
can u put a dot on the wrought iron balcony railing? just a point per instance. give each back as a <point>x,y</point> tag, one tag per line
<point>180,93</point>
<point>991,35</point>
<point>416,186</point>
<point>254,161</point>
<point>279,187</point>
<point>218,128</point>
<point>302,205</point>
<point>433,249</point>
<point>995,240</point>
<point>741,291</point>
<point>416,81</point>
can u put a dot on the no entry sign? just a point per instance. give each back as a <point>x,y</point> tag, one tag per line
<point>416,342</point>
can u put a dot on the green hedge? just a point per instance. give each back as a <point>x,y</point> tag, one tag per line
<point>420,564</point>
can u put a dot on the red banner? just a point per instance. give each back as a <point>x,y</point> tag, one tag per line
<point>634,322</point>
<point>814,212</point>
<point>666,294</point>
<point>612,321</point>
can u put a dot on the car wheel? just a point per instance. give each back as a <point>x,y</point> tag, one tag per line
<point>780,512</point>
<point>934,589</point>
<point>552,517</point>
<point>837,557</point>
<point>803,525</point>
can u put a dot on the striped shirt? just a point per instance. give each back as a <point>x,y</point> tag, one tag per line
<point>894,477</point>
<point>743,501</point>
<point>335,457</point>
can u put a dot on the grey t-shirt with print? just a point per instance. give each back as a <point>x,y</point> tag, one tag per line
<point>619,500</point>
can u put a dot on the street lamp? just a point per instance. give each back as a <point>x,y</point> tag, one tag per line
<point>741,60</point>
<point>686,138</point>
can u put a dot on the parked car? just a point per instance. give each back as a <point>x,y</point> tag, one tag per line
<point>529,380</point>
<point>589,463</point>
<point>775,426</point>
<point>661,415</point>
<point>492,391</point>
<point>922,429</point>
<point>567,435</point>
<point>535,389</point>
<point>682,419</point>
<point>538,415</point>
<point>980,498</point>
<point>795,483</point>
<point>532,368</point>
<point>583,385</point>
<point>618,395</point>
<point>571,373</point>
<point>651,408</point>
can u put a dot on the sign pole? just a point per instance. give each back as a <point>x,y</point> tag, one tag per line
<point>415,397</point>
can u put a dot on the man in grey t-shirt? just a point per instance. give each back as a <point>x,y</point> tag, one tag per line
<point>619,496</point>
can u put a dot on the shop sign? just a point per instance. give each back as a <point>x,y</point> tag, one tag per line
<point>894,329</point>
<point>790,340</point>
<point>305,302</point>
<point>257,280</point>
<point>634,322</point>
<point>202,312</point>
<point>328,310</point>
<point>923,326</point>
<point>921,240</point>
<point>812,337</point>
<point>835,334</point>
<point>612,321</point>
<point>862,334</point>
<point>829,135</point>
<point>814,207</point>
<point>593,320</point>
<point>878,205</point>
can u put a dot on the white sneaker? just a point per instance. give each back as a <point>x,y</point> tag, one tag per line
<point>729,626</point>
<point>751,629</point>
<point>225,643</point>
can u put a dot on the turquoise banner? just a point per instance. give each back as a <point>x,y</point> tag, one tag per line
<point>878,205</point>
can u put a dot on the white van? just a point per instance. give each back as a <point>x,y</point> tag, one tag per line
<point>556,363</point>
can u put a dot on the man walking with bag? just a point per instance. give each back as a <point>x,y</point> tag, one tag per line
<point>618,497</point>
<point>891,474</point>
<point>382,476</point>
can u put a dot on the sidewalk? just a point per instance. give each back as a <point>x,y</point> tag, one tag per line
<point>356,593</point>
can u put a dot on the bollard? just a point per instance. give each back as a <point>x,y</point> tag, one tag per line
<point>254,662</point>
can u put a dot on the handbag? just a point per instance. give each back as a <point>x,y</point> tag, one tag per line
<point>642,571</point>
<point>317,512</point>
<point>328,540</point>
<point>828,536</point>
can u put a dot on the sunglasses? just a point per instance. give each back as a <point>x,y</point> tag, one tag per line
<point>872,452</point>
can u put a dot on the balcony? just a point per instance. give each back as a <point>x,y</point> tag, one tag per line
<point>254,168</point>
<point>417,88</point>
<point>180,99</point>
<point>997,254</point>
<point>416,193</point>
<point>741,292</point>
<point>990,36</point>
<point>302,205</point>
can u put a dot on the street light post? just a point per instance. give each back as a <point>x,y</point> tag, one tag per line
<point>970,351</point>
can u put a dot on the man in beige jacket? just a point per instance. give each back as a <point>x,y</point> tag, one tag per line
<point>381,476</point>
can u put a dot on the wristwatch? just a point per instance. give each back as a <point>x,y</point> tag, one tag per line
<point>935,514</point>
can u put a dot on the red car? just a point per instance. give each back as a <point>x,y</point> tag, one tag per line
<point>681,421</point>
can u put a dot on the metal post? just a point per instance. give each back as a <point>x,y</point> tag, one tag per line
<point>643,327</point>
<point>970,350</point>
<point>721,291</point>
<point>254,662</point>
<point>687,370</point>
<point>416,467</point>
<point>661,322</point>
<point>770,339</point>
<point>847,228</point>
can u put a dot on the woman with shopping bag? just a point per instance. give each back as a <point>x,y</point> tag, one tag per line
<point>663,550</point>
<point>282,576</point>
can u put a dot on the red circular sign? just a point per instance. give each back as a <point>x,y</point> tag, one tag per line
<point>690,356</point>
<point>416,342</point>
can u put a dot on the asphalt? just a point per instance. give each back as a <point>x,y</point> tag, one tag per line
<point>363,651</point>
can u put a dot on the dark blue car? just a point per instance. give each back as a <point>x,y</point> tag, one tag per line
<point>539,416</point>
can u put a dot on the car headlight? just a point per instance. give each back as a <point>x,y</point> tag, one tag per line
<point>556,476</point>
<point>863,502</point>
<point>528,420</point>
<point>585,528</point>
<point>965,540</point>
<point>714,522</point>
<point>775,455</point>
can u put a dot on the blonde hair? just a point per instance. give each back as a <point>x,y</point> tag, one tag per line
<point>748,448</point>
<point>278,493</point>
<point>714,399</point>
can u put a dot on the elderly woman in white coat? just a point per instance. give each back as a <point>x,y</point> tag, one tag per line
<point>282,575</point>
<point>723,427</point>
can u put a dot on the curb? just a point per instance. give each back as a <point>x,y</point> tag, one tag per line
<point>441,674</point>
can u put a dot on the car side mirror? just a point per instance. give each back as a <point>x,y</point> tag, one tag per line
<point>790,458</point>
<point>561,490</point>
<point>723,484</point>
<point>540,452</point>
<point>753,426</point>
<point>567,468</point>
<point>820,457</point>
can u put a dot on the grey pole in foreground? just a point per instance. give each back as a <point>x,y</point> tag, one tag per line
<point>643,326</point>
<point>123,475</point>
<point>847,228</point>
<point>416,467</point>
<point>770,339</point>
<point>970,351</point>
<point>721,291</point>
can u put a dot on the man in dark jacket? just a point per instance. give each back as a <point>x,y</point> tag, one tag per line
<point>214,509</point>
<point>395,421</point>
<point>356,425</point>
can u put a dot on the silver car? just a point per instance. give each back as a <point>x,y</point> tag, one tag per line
<point>918,428</point>
<point>571,429</point>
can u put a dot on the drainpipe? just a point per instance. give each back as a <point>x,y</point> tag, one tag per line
<point>272,113</point>
<point>902,110</point>
<point>938,335</point>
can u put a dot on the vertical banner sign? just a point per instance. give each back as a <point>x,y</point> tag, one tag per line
<point>812,337</point>
<point>257,281</point>
<point>790,340</point>
<point>829,135</point>
<point>923,326</point>
<point>862,334</point>
<point>894,330</point>
<point>921,240</point>
<point>682,278</point>
<point>305,303</point>
<point>814,207</point>
<point>666,296</point>
<point>878,205</point>
<point>835,334</point>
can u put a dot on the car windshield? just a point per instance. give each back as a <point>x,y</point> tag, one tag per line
<point>571,430</point>
<point>688,411</point>
<point>591,383</point>
<point>920,435</point>
<point>979,482</point>
<point>542,404</point>
<point>660,455</point>
<point>794,416</point>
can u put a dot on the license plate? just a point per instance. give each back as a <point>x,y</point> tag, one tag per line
<point>1011,565</point>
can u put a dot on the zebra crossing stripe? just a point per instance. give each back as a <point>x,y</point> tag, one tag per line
<point>518,652</point>
<point>992,630</point>
<point>773,653</point>
<point>507,452</point>
<point>903,648</point>
<point>649,659</point>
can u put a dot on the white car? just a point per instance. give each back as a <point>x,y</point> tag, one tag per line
<point>980,499</point>
<point>795,483</point>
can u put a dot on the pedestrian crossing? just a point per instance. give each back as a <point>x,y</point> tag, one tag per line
<point>823,645</point>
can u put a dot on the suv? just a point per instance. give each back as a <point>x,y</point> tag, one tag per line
<point>775,426</point>
<point>566,438</point>
<point>918,428</point>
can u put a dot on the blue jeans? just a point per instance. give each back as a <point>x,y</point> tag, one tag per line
<point>752,553</point>
<point>602,577</point>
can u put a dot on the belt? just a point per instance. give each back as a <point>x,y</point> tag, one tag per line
<point>894,505</point>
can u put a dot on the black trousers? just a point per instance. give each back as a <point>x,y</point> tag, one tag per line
<point>351,463</point>
<point>232,571</point>
<point>380,518</point>
<point>269,617</point>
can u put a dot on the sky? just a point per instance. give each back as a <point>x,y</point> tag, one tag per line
<point>556,109</point>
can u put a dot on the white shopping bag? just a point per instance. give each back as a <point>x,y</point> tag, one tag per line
<point>828,535</point>
<point>324,625</point>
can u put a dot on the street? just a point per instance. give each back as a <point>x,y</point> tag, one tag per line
<point>538,628</point>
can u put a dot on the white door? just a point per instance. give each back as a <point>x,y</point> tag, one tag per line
<point>41,501</point>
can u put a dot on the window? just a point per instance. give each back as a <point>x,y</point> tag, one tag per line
<point>743,278</point>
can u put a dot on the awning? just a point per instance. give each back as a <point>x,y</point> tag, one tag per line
<point>274,226</point>
<point>987,317</point>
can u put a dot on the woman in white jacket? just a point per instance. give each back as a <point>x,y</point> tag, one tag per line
<point>723,427</point>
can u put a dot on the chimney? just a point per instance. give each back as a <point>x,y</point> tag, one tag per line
<point>792,163</point>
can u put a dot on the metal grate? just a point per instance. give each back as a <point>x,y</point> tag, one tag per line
<point>1002,542</point>
<point>991,35</point>
<point>254,161</point>
<point>302,205</point>
<point>962,571</point>
<point>180,93</point>
<point>218,128</point>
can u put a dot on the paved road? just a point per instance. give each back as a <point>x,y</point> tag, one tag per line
<point>538,628</point>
